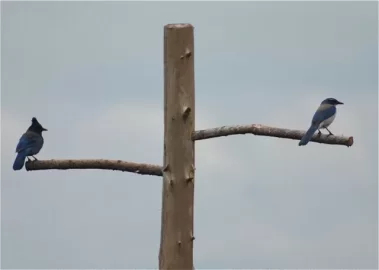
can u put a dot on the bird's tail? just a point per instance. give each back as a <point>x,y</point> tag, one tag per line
<point>308,135</point>
<point>19,161</point>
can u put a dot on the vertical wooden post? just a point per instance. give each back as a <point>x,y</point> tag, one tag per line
<point>177,236</point>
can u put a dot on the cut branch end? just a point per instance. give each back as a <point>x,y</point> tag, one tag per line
<point>189,179</point>
<point>186,112</point>
<point>166,168</point>
<point>187,54</point>
<point>350,142</point>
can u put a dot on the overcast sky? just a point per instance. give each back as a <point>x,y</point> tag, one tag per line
<point>92,74</point>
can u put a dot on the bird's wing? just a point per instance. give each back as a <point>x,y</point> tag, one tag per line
<point>28,139</point>
<point>323,112</point>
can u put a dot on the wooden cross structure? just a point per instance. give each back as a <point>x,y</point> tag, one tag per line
<point>178,170</point>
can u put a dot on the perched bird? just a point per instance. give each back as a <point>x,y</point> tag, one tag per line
<point>29,144</point>
<point>322,118</point>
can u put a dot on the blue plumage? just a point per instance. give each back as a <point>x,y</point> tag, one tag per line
<point>322,118</point>
<point>29,144</point>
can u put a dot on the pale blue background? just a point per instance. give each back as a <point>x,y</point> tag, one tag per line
<point>92,73</point>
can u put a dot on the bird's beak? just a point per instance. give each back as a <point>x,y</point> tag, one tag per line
<point>44,129</point>
<point>339,102</point>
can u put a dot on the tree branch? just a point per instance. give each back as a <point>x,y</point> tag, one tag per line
<point>261,130</point>
<point>156,170</point>
<point>102,164</point>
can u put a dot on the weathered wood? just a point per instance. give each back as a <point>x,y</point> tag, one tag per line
<point>101,164</point>
<point>261,130</point>
<point>150,169</point>
<point>176,249</point>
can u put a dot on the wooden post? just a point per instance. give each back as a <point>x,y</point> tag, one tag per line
<point>177,236</point>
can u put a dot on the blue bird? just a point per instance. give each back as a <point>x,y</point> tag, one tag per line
<point>29,144</point>
<point>322,118</point>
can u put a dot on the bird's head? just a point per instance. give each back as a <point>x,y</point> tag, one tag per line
<point>36,126</point>
<point>332,101</point>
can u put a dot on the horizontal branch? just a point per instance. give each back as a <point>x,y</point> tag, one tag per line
<point>149,169</point>
<point>102,164</point>
<point>261,130</point>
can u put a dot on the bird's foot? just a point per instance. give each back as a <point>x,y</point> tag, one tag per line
<point>330,133</point>
<point>319,133</point>
<point>28,159</point>
<point>34,158</point>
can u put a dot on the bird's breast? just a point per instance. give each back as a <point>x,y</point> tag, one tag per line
<point>327,122</point>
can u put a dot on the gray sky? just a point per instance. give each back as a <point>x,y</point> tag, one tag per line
<point>92,73</point>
